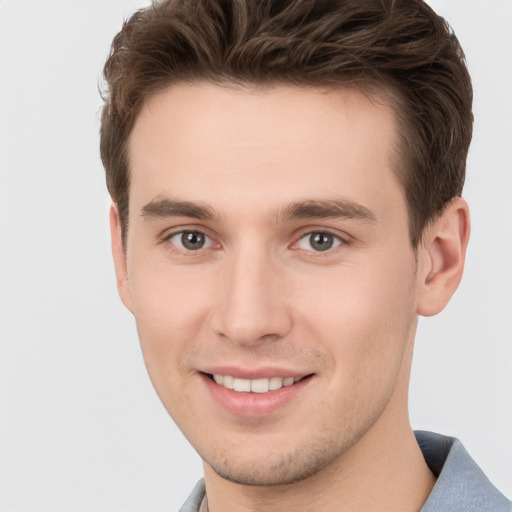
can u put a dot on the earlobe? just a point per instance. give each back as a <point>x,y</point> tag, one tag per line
<point>119,256</point>
<point>441,258</point>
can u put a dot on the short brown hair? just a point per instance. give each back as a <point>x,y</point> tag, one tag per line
<point>398,46</point>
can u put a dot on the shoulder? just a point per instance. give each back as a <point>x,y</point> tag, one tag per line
<point>461,485</point>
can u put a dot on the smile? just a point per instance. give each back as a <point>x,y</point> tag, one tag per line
<point>254,385</point>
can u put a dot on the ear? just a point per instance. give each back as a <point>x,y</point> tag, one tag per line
<point>441,258</point>
<point>119,255</point>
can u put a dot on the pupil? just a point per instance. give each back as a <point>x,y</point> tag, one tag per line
<point>192,240</point>
<point>321,241</point>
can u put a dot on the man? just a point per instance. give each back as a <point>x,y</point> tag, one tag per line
<point>286,181</point>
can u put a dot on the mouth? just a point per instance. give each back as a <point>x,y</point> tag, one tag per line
<point>255,393</point>
<point>260,386</point>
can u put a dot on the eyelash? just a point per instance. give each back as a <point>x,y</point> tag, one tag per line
<point>195,232</point>
<point>337,241</point>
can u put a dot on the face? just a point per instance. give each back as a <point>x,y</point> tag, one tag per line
<point>270,272</point>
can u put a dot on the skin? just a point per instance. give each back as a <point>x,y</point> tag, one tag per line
<point>258,295</point>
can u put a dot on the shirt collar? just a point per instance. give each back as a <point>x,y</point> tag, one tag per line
<point>461,485</point>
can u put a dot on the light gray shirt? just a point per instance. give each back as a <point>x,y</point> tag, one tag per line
<point>461,485</point>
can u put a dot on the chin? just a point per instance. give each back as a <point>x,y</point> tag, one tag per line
<point>272,469</point>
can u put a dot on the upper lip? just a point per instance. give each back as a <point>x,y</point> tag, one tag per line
<point>254,373</point>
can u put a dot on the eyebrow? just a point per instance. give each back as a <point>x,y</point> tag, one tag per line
<point>306,209</point>
<point>163,208</point>
<point>328,209</point>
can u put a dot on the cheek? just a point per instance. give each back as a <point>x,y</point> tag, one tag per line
<point>169,309</point>
<point>366,320</point>
<point>168,316</point>
<point>366,334</point>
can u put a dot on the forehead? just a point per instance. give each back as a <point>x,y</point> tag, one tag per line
<point>199,140</point>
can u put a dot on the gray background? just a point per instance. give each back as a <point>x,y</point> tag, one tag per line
<point>80,427</point>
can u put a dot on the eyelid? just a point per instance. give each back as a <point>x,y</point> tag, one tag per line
<point>168,234</point>
<point>208,242</point>
<point>343,238</point>
<point>308,230</point>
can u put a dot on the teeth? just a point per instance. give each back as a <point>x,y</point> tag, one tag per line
<point>260,385</point>
<point>275,383</point>
<point>255,385</point>
<point>229,382</point>
<point>242,385</point>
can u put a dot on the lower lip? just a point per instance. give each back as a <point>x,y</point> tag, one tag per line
<point>254,404</point>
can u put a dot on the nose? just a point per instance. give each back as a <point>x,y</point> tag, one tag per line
<point>253,307</point>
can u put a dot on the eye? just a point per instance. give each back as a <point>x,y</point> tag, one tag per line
<point>319,241</point>
<point>190,240</point>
